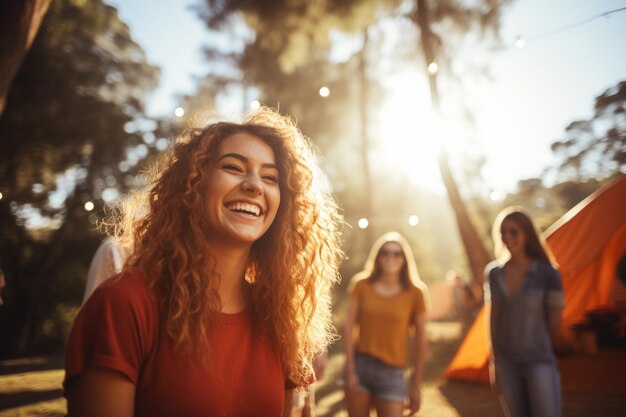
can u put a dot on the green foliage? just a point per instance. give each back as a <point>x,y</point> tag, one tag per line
<point>73,131</point>
<point>596,148</point>
<point>56,328</point>
<point>293,32</point>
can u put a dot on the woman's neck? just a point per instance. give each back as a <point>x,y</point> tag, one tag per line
<point>387,285</point>
<point>389,280</point>
<point>231,267</point>
<point>519,259</point>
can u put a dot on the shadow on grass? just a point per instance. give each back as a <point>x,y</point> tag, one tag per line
<point>332,395</point>
<point>28,397</point>
<point>31,364</point>
<point>36,385</point>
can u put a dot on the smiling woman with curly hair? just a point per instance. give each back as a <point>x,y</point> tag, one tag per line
<point>225,299</point>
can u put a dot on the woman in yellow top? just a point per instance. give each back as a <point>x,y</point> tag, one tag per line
<point>388,301</point>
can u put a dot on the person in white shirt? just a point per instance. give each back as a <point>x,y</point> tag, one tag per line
<point>107,262</point>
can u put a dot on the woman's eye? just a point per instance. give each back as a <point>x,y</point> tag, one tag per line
<point>271,178</point>
<point>234,168</point>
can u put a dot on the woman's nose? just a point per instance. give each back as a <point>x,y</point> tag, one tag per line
<point>252,184</point>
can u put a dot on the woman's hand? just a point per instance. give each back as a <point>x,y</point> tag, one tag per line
<point>415,400</point>
<point>420,346</point>
<point>319,365</point>
<point>492,377</point>
<point>352,382</point>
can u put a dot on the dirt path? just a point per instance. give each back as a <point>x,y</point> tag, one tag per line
<point>32,387</point>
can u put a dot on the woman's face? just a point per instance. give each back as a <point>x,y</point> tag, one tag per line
<point>243,192</point>
<point>513,237</point>
<point>391,258</point>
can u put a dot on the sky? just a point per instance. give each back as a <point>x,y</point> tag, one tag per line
<point>533,92</point>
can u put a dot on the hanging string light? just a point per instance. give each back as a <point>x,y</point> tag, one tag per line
<point>521,42</point>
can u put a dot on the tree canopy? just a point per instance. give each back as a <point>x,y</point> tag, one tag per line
<point>71,137</point>
<point>596,147</point>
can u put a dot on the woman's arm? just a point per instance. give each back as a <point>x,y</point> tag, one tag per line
<point>492,361</point>
<point>554,302</point>
<point>420,357</point>
<point>554,320</point>
<point>348,344</point>
<point>288,404</point>
<point>100,393</point>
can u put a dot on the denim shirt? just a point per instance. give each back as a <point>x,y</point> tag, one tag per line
<point>519,326</point>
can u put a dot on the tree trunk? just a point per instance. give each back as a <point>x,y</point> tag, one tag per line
<point>477,255</point>
<point>363,102</point>
<point>19,23</point>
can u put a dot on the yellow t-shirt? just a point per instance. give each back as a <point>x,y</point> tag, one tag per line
<point>384,322</point>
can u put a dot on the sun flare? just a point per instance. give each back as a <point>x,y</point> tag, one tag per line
<point>407,138</point>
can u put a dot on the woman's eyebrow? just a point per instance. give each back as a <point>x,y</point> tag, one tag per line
<point>245,159</point>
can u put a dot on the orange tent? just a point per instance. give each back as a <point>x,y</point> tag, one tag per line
<point>587,243</point>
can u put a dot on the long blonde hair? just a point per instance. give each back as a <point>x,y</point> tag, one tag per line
<point>291,268</point>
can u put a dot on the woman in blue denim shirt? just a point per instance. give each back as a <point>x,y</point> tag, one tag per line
<point>525,296</point>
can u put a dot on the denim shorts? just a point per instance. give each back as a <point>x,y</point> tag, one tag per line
<point>379,379</point>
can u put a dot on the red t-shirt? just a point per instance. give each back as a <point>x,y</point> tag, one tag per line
<point>119,329</point>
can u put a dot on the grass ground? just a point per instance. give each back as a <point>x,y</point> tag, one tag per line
<point>32,387</point>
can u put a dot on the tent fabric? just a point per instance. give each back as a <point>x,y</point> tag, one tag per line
<point>587,242</point>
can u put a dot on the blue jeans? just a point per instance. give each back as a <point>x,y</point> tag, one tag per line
<point>528,390</point>
<point>379,379</point>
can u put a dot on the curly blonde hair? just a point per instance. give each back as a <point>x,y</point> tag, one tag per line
<point>291,268</point>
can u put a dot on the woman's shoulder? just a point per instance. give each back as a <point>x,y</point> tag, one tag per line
<point>126,287</point>
<point>358,282</point>
<point>418,287</point>
<point>420,295</point>
<point>492,267</point>
<point>546,268</point>
<point>125,298</point>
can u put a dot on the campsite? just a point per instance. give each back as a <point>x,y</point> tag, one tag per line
<point>456,375</point>
<point>275,189</point>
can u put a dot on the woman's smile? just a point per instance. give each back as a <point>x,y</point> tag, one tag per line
<point>243,191</point>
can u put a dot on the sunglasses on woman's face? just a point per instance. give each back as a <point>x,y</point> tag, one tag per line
<point>391,253</point>
<point>509,231</point>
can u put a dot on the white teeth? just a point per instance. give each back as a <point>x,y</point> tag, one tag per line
<point>245,208</point>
